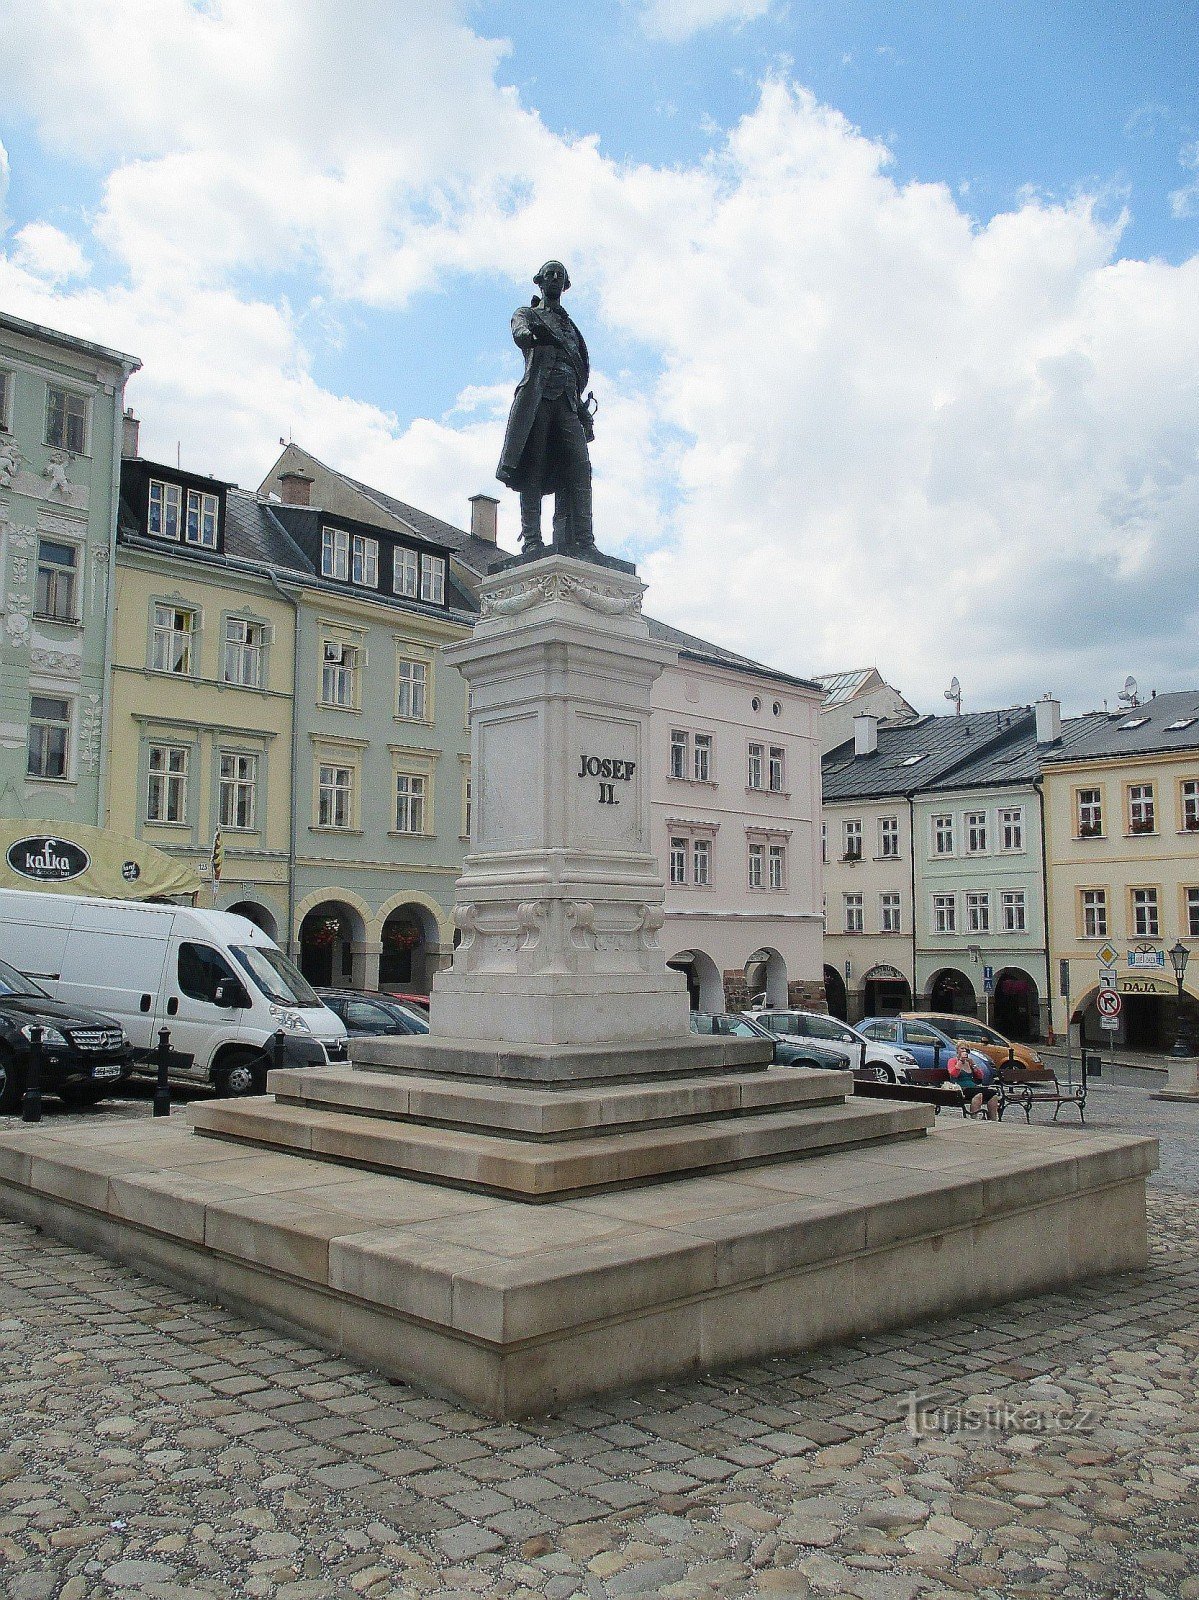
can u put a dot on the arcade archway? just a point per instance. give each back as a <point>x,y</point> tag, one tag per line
<point>766,978</point>
<point>1016,1006</point>
<point>705,988</point>
<point>328,935</point>
<point>950,990</point>
<point>834,993</point>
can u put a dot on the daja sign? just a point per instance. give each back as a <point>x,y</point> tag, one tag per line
<point>48,860</point>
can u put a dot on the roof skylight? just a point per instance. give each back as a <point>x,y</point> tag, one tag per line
<point>1132,722</point>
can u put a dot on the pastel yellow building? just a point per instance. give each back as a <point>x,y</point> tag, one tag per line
<point>1122,858</point>
<point>202,676</point>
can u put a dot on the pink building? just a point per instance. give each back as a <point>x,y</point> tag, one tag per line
<point>735,796</point>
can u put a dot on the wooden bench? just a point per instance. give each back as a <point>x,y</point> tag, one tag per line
<point>1030,1086</point>
<point>941,1095</point>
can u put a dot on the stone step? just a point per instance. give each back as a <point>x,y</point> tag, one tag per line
<point>684,1055</point>
<point>537,1170</point>
<point>509,1110</point>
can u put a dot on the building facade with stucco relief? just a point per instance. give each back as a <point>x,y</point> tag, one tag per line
<point>735,805</point>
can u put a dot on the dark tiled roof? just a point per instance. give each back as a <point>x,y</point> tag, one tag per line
<point>254,533</point>
<point>1022,759</point>
<point>914,755</point>
<point>1141,730</point>
<point>716,655</point>
<point>477,554</point>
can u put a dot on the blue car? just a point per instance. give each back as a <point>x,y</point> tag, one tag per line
<point>931,1048</point>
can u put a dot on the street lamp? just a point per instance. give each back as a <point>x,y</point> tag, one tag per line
<point>1179,956</point>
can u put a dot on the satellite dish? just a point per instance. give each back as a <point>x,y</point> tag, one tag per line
<point>954,693</point>
<point>1130,692</point>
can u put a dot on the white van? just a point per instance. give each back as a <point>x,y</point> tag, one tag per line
<point>222,987</point>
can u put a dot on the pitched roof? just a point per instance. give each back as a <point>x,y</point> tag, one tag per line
<point>841,686</point>
<point>1021,760</point>
<point>478,554</point>
<point>688,644</point>
<point>98,352</point>
<point>913,755</point>
<point>1147,729</point>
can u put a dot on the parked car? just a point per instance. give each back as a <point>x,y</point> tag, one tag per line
<point>787,1052</point>
<point>874,1058</point>
<point>418,1002</point>
<point>85,1054</point>
<point>221,986</point>
<point>979,1036</point>
<point>930,1047</point>
<point>366,1013</point>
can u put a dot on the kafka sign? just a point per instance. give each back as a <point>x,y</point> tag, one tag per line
<point>609,773</point>
<point>47,860</point>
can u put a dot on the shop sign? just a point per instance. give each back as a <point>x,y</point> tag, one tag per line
<point>47,860</point>
<point>1145,956</point>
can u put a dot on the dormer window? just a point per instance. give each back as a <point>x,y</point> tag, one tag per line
<point>406,572</point>
<point>202,514</point>
<point>165,510</point>
<point>335,554</point>
<point>365,564</point>
<point>432,579</point>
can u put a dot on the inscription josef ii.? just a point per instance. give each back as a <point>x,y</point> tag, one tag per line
<point>610,772</point>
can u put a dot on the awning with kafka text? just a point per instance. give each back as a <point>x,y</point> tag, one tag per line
<point>72,858</point>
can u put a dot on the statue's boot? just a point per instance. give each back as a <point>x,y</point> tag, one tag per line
<point>531,542</point>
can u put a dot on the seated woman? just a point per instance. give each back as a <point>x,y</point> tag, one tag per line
<point>973,1079</point>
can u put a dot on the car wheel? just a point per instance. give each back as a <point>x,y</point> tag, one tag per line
<point>11,1087</point>
<point>83,1094</point>
<point>242,1072</point>
<point>880,1071</point>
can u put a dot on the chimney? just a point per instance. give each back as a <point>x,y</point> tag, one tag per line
<point>297,487</point>
<point>483,511</point>
<point>865,734</point>
<point>1049,720</point>
<point>130,428</point>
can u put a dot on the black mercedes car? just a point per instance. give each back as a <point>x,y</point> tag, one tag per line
<point>84,1054</point>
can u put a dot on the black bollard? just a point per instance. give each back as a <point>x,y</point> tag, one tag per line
<point>31,1105</point>
<point>162,1087</point>
<point>279,1049</point>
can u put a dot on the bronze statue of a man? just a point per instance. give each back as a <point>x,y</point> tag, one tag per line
<point>549,425</point>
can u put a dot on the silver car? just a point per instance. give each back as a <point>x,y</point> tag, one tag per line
<point>883,1061</point>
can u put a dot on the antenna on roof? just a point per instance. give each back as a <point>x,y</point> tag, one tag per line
<point>1130,693</point>
<point>954,693</point>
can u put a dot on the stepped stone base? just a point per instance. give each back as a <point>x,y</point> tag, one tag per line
<point>519,1309</point>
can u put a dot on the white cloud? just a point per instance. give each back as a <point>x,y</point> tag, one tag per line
<point>675,20</point>
<point>860,427</point>
<point>48,253</point>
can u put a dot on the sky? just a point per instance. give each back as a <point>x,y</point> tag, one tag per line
<point>893,308</point>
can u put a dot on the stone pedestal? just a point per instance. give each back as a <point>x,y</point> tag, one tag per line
<point>1183,1081</point>
<point>560,901</point>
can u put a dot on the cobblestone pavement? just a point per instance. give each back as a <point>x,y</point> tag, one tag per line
<point>156,1446</point>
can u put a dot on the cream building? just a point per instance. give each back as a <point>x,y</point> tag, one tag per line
<point>1122,850</point>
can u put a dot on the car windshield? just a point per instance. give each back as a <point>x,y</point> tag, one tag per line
<point>278,979</point>
<point>14,982</point>
<point>828,1028</point>
<point>974,1033</point>
<point>410,1021</point>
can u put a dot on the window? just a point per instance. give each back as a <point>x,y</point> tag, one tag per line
<point>410,803</point>
<point>1090,813</point>
<point>413,679</point>
<point>976,832</point>
<point>165,509</point>
<point>703,758</point>
<point>1140,808</point>
<point>467,796</point>
<point>942,836</point>
<point>851,838</point>
<point>854,919</point>
<point>335,553</point>
<point>1192,913</point>
<point>888,837</point>
<point>171,639</point>
<point>1011,828</point>
<point>166,783</point>
<point>238,789</point>
<point>1145,923</point>
<point>56,571</point>
<point>678,860</point>
<point>365,563</point>
<point>49,736</point>
<point>680,743</point>
<point>701,859</point>
<point>777,862</point>
<point>1094,913</point>
<point>1190,806</point>
<point>1012,908</point>
<point>339,675</point>
<point>6,389</point>
<point>244,643</point>
<point>824,841</point>
<point>335,796</point>
<point>945,914</point>
<point>201,970</point>
<point>888,913</point>
<point>432,579</point>
<point>66,420</point>
<point>757,758</point>
<point>778,768</point>
<point>405,572</point>
<point>757,866</point>
<point>202,514</point>
<point>885,1032</point>
<point>978,911</point>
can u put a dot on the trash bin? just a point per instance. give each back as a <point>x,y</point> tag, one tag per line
<point>1092,1064</point>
